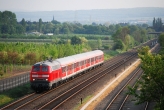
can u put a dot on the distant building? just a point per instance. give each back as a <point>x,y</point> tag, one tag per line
<point>50,34</point>
<point>34,33</point>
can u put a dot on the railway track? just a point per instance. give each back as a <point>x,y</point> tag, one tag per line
<point>57,102</point>
<point>120,98</point>
<point>118,101</point>
<point>31,100</point>
<point>33,97</point>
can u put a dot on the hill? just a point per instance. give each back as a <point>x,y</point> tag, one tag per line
<point>97,15</point>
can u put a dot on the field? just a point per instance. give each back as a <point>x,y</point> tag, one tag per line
<point>17,55</point>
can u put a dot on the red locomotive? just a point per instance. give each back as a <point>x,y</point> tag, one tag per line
<point>50,73</point>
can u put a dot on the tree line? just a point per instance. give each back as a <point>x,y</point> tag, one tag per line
<point>18,54</point>
<point>158,25</point>
<point>124,35</point>
<point>10,25</point>
<point>29,53</point>
<point>129,36</point>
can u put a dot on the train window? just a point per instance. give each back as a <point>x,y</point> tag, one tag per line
<point>74,65</point>
<point>77,64</point>
<point>70,67</point>
<point>92,59</point>
<point>36,68</point>
<point>44,68</point>
<point>88,61</point>
<point>67,68</point>
<point>63,69</point>
<point>82,63</point>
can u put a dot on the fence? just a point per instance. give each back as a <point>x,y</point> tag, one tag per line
<point>15,81</point>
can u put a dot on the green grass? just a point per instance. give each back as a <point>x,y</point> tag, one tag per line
<point>15,93</point>
<point>110,53</point>
<point>77,107</point>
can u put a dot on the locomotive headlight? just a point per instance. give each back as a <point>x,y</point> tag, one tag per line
<point>46,79</point>
<point>33,79</point>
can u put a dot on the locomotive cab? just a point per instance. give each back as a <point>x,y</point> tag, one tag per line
<point>39,76</point>
<point>42,75</point>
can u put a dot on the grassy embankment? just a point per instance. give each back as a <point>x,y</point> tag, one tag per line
<point>15,93</point>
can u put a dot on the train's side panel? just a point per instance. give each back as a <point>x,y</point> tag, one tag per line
<point>100,56</point>
<point>54,71</point>
<point>67,65</point>
<point>78,62</point>
<point>64,71</point>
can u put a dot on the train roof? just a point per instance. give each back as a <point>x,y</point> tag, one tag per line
<point>48,63</point>
<point>78,57</point>
<point>71,59</point>
<point>66,60</point>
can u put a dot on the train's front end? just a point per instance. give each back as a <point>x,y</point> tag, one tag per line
<point>39,76</point>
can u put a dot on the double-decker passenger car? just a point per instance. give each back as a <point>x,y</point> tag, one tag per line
<point>50,73</point>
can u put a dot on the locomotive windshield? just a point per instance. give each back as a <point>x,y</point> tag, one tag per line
<point>36,68</point>
<point>44,68</point>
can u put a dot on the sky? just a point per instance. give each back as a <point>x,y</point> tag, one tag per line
<point>52,5</point>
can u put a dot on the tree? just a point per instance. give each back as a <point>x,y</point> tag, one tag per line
<point>121,33</point>
<point>161,40</point>
<point>20,29</point>
<point>111,29</point>
<point>8,22</point>
<point>99,43</point>
<point>124,33</point>
<point>133,28</point>
<point>157,24</point>
<point>154,23</point>
<point>49,28</point>
<point>118,45</point>
<point>83,40</point>
<point>40,25</point>
<point>152,83</point>
<point>121,38</point>
<point>76,40</point>
<point>66,28</point>
<point>145,25</point>
<point>0,21</point>
<point>54,21</point>
<point>23,22</point>
<point>56,31</point>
